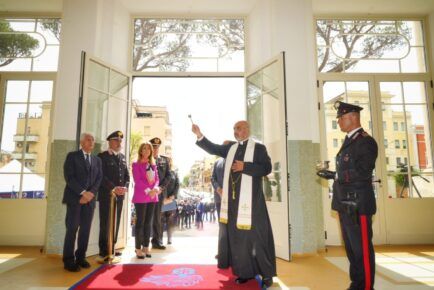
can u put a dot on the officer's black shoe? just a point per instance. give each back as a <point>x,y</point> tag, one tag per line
<point>266,282</point>
<point>83,263</point>
<point>71,267</point>
<point>240,280</point>
<point>157,246</point>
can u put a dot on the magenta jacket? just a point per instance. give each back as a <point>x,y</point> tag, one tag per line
<point>141,184</point>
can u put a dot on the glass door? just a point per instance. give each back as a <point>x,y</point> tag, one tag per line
<point>357,91</point>
<point>407,160</point>
<point>407,140</point>
<point>266,113</point>
<point>398,114</point>
<point>105,107</point>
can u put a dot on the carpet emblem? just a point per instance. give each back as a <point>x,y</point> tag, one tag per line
<point>183,277</point>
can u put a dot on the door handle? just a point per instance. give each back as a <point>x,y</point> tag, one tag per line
<point>378,181</point>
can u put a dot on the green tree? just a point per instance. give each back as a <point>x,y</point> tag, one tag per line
<point>186,180</point>
<point>135,141</point>
<point>163,43</point>
<point>53,25</point>
<point>150,35</point>
<point>366,39</point>
<point>14,45</point>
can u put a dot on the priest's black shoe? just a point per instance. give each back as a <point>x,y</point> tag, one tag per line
<point>83,263</point>
<point>71,267</point>
<point>267,282</point>
<point>240,280</point>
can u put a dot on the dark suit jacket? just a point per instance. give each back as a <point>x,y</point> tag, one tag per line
<point>115,173</point>
<point>163,174</point>
<point>78,178</point>
<point>355,163</point>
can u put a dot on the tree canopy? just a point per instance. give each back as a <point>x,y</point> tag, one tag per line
<point>14,45</point>
<point>352,34</point>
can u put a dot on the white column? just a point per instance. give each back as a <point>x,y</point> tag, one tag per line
<point>101,28</point>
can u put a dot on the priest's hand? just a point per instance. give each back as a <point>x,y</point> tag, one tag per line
<point>238,166</point>
<point>196,130</point>
<point>326,174</point>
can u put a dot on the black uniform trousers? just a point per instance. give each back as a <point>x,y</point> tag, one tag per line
<point>157,225</point>
<point>78,218</point>
<point>104,214</point>
<point>357,235</point>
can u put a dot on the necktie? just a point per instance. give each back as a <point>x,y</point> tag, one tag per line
<point>346,140</point>
<point>87,161</point>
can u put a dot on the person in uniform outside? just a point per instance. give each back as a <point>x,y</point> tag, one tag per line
<point>246,242</point>
<point>353,194</point>
<point>172,193</point>
<point>116,178</point>
<point>164,175</point>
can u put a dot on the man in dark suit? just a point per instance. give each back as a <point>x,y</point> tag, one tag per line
<point>163,167</point>
<point>83,176</point>
<point>246,242</point>
<point>115,178</point>
<point>353,195</point>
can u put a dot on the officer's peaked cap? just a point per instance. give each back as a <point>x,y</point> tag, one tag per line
<point>344,108</point>
<point>115,135</point>
<point>155,141</point>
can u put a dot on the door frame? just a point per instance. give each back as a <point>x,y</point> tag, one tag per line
<point>86,58</point>
<point>276,209</point>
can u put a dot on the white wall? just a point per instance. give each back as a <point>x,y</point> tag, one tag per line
<point>287,25</point>
<point>99,27</point>
<point>23,222</point>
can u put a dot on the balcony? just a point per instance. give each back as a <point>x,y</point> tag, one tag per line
<point>35,115</point>
<point>30,138</point>
<point>27,156</point>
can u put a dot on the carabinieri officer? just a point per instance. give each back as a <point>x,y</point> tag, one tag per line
<point>115,177</point>
<point>353,194</point>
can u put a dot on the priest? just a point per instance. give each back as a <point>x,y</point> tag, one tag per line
<point>245,238</point>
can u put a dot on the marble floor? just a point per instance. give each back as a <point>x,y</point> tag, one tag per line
<point>398,267</point>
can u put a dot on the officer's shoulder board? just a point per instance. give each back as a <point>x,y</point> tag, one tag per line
<point>364,134</point>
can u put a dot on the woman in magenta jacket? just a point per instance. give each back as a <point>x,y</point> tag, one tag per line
<point>145,197</point>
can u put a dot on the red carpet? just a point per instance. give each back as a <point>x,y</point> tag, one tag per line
<point>145,276</point>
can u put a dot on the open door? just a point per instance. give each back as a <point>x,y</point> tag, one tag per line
<point>104,108</point>
<point>266,113</point>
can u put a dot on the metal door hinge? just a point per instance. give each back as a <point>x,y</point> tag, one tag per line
<point>286,128</point>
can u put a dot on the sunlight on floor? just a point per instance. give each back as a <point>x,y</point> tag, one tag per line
<point>12,262</point>
<point>405,267</point>
<point>397,271</point>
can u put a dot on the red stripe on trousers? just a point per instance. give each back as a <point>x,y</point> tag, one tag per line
<point>365,246</point>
